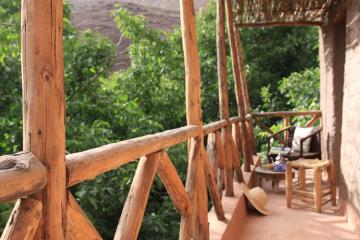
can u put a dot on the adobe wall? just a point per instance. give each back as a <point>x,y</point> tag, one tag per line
<point>332,60</point>
<point>340,98</point>
<point>350,147</point>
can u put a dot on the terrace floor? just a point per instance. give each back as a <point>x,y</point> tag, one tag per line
<point>297,223</point>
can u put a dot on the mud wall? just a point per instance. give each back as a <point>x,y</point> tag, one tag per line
<point>340,96</point>
<point>350,147</point>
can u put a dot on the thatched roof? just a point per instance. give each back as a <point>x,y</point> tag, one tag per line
<point>280,12</point>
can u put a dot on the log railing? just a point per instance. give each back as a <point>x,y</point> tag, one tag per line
<point>23,175</point>
<point>286,116</point>
<point>41,175</point>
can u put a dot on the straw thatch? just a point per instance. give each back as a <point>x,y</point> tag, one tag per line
<point>280,12</point>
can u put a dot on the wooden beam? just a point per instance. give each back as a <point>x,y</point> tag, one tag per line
<point>221,60</point>
<point>23,220</point>
<point>173,184</point>
<point>229,171</point>
<point>215,195</point>
<point>189,224</point>
<point>219,147</point>
<point>212,127</point>
<point>312,121</point>
<point>235,120</point>
<point>245,89</point>
<point>247,151</point>
<point>236,159</point>
<point>286,124</point>
<point>236,133</point>
<point>21,174</point>
<point>266,128</point>
<point>279,24</point>
<point>223,94</point>
<point>134,208</point>
<point>91,163</point>
<point>44,105</point>
<point>193,115</point>
<point>78,225</point>
<point>211,150</point>
<point>286,114</point>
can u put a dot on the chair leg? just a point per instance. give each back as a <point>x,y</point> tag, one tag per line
<point>317,189</point>
<point>288,183</point>
<point>302,178</point>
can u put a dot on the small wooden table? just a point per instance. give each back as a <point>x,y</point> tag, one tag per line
<point>268,174</point>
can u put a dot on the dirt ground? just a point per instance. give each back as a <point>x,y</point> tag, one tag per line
<point>96,15</point>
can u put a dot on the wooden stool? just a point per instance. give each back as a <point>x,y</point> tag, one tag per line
<point>319,192</point>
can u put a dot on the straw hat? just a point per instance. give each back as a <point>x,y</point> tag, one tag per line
<point>257,197</point>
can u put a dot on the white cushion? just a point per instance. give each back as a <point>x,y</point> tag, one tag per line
<point>299,134</point>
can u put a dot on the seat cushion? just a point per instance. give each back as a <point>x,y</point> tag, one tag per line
<point>298,135</point>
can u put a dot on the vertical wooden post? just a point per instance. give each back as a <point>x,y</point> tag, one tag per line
<point>193,114</point>
<point>286,124</point>
<point>223,95</point>
<point>44,106</point>
<point>247,151</point>
<point>245,90</point>
<point>288,184</point>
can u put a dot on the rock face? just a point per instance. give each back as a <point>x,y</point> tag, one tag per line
<point>96,15</point>
<point>340,97</point>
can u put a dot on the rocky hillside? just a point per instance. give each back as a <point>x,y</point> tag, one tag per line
<point>96,15</point>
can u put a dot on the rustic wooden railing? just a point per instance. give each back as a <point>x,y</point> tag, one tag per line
<point>286,116</point>
<point>24,175</point>
<point>39,177</point>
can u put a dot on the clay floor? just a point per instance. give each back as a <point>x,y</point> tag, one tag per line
<point>297,223</point>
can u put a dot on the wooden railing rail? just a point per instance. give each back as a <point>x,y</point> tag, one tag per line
<point>51,212</point>
<point>91,163</point>
<point>286,114</point>
<point>286,118</point>
<point>21,174</point>
<point>212,127</point>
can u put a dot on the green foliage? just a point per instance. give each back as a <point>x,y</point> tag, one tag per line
<point>274,53</point>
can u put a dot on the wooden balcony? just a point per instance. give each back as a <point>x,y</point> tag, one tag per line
<point>39,177</point>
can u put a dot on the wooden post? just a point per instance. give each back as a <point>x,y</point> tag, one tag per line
<point>220,157</point>
<point>288,184</point>
<point>247,151</point>
<point>44,106</point>
<point>245,90</point>
<point>211,150</point>
<point>286,124</point>
<point>215,196</point>
<point>134,208</point>
<point>193,114</point>
<point>223,94</point>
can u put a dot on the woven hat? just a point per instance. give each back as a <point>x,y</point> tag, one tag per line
<point>257,197</point>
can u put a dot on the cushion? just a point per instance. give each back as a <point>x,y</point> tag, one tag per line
<point>299,134</point>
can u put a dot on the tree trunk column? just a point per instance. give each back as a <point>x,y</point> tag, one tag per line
<point>245,90</point>
<point>247,151</point>
<point>44,106</point>
<point>223,95</point>
<point>196,187</point>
